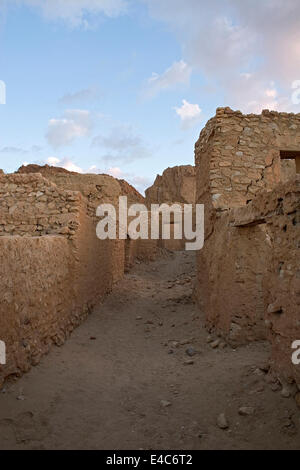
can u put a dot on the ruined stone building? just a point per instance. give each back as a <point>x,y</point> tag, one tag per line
<point>53,268</point>
<point>177,185</point>
<point>247,175</point>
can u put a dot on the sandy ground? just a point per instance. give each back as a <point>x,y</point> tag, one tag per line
<point>125,381</point>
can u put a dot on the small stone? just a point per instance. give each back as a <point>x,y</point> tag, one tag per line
<point>209,339</point>
<point>93,338</point>
<point>215,344</point>
<point>21,398</point>
<point>165,403</point>
<point>270,379</point>
<point>285,393</point>
<point>189,362</point>
<point>246,410</point>
<point>139,318</point>
<point>275,387</point>
<point>260,388</point>
<point>191,351</point>
<point>184,342</point>
<point>265,367</point>
<point>222,421</point>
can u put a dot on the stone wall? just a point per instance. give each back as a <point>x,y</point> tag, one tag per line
<point>31,206</point>
<point>239,155</point>
<point>279,211</point>
<point>231,270</point>
<point>100,189</point>
<point>177,185</point>
<point>247,176</point>
<point>38,303</point>
<point>53,269</point>
<point>140,251</point>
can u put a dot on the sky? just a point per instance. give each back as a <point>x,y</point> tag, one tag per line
<point>124,87</point>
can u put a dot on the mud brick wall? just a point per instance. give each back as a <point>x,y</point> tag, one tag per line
<point>38,303</point>
<point>140,250</point>
<point>231,270</point>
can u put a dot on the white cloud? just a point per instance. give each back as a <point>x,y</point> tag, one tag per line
<point>52,161</point>
<point>139,182</point>
<point>121,145</point>
<point>63,131</point>
<point>178,74</point>
<point>75,12</point>
<point>116,172</point>
<point>189,113</point>
<point>65,163</point>
<point>241,46</point>
<point>71,166</point>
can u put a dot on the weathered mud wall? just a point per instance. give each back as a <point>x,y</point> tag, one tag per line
<point>176,184</point>
<point>96,190</point>
<point>38,302</point>
<point>54,269</point>
<point>280,212</point>
<point>141,251</point>
<point>248,271</point>
<point>231,270</point>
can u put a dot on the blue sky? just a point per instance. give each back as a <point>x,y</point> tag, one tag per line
<point>125,86</point>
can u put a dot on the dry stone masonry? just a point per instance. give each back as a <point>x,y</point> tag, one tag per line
<point>53,268</point>
<point>247,175</point>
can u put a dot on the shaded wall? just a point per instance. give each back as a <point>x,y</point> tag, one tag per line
<point>53,269</point>
<point>248,270</point>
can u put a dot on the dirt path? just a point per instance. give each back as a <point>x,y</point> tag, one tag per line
<point>124,380</point>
